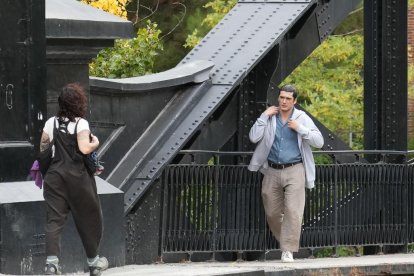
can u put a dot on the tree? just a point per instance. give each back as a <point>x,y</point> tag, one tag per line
<point>116,7</point>
<point>175,18</point>
<point>128,57</point>
<point>330,82</point>
<point>220,9</point>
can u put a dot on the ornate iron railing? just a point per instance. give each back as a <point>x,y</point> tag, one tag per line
<point>217,207</point>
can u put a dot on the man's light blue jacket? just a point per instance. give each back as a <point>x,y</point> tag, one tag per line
<point>263,132</point>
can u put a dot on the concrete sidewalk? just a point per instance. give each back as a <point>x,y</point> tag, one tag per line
<point>395,264</point>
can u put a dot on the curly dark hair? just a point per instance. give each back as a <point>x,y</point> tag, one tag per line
<point>72,102</point>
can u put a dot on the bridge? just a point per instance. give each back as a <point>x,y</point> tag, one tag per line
<point>175,144</point>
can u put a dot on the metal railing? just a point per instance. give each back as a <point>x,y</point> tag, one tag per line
<point>217,207</point>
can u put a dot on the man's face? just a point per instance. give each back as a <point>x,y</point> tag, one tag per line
<point>286,101</point>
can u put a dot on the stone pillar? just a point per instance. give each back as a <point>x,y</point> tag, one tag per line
<point>75,33</point>
<point>68,61</point>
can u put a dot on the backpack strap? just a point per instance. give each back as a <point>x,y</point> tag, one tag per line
<point>76,126</point>
<point>54,131</point>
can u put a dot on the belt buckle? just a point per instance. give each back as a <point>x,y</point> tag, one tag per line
<point>276,166</point>
<point>280,166</point>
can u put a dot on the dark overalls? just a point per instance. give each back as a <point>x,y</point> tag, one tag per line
<point>69,187</point>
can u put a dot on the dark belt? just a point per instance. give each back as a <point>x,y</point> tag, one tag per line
<point>281,166</point>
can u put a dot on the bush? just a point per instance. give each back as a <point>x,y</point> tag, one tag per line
<point>129,57</point>
<point>343,251</point>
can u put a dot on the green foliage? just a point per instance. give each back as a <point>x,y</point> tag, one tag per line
<point>353,23</point>
<point>220,9</point>
<point>194,28</point>
<point>116,7</point>
<point>343,251</point>
<point>176,19</point>
<point>411,80</point>
<point>321,159</point>
<point>410,143</point>
<point>196,202</point>
<point>193,39</point>
<point>129,57</point>
<point>330,82</point>
<point>410,4</point>
<point>410,156</point>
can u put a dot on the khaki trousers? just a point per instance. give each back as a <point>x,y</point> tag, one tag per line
<point>283,193</point>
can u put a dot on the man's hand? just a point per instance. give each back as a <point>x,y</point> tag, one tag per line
<point>293,124</point>
<point>271,110</point>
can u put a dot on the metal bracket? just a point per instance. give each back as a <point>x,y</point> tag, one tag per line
<point>9,96</point>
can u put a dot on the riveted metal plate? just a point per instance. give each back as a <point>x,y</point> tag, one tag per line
<point>324,16</point>
<point>244,36</point>
<point>385,79</point>
<point>330,14</point>
<point>203,109</point>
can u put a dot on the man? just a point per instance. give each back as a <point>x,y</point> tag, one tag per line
<point>285,135</point>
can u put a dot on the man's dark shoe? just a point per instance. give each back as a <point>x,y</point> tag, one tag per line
<point>52,269</point>
<point>97,268</point>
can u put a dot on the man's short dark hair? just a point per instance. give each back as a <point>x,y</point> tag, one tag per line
<point>290,88</point>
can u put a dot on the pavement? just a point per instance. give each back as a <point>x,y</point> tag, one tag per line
<point>390,264</point>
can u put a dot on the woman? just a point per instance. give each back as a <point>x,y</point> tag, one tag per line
<point>68,186</point>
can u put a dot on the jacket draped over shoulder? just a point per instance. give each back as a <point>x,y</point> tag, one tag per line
<point>263,133</point>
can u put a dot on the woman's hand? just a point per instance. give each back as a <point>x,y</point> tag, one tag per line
<point>94,140</point>
<point>87,142</point>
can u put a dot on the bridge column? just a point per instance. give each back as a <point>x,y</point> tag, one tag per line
<point>385,84</point>
<point>22,85</point>
<point>385,75</point>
